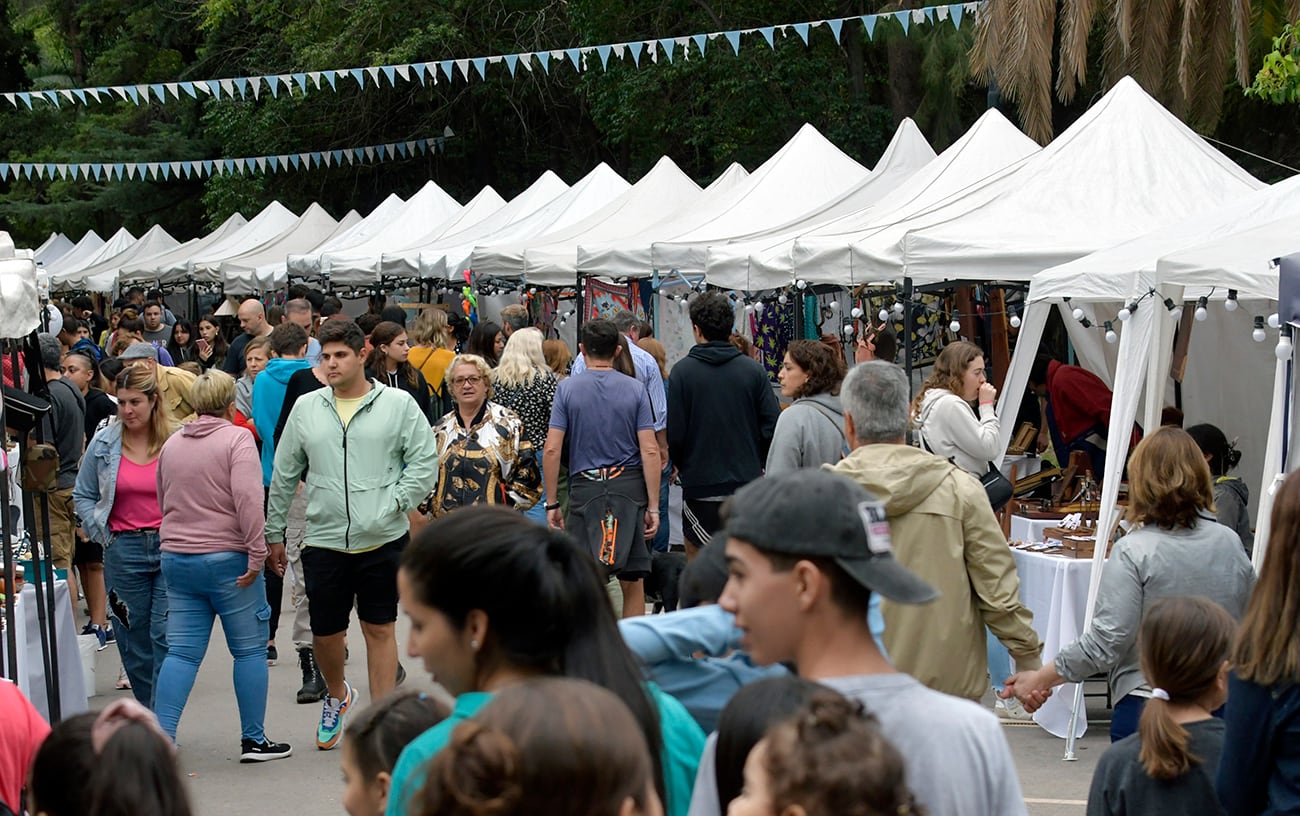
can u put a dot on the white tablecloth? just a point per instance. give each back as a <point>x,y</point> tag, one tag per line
<point>1055,589</point>
<point>31,668</point>
<point>1027,529</point>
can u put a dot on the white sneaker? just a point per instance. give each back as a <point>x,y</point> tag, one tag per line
<point>1011,710</point>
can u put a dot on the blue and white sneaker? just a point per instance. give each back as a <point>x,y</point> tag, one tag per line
<point>104,635</point>
<point>333,713</point>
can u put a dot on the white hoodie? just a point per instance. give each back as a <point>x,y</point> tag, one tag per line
<point>950,430</point>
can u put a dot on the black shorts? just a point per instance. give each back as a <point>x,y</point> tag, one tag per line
<point>607,516</point>
<point>700,519</point>
<point>335,579</point>
<point>87,552</point>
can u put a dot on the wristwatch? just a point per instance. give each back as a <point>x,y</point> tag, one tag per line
<point>551,507</point>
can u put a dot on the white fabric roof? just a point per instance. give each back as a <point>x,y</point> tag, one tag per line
<point>120,241</point>
<point>733,175</point>
<point>1241,260</point>
<point>308,264</point>
<point>274,219</point>
<point>55,247</point>
<point>592,192</point>
<point>821,255</point>
<point>359,263</point>
<point>552,259</point>
<point>1122,271</point>
<point>1126,167</point>
<point>274,275</point>
<point>145,270</point>
<point>727,264</point>
<point>75,257</point>
<point>102,276</point>
<point>806,172</point>
<point>405,262</point>
<point>304,234</point>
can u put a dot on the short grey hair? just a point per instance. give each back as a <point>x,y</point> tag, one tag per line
<point>875,395</point>
<point>51,351</point>
<point>624,321</point>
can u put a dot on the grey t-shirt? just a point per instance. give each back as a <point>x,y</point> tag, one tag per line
<point>162,335</point>
<point>957,758</point>
<point>600,413</point>
<point>1121,786</point>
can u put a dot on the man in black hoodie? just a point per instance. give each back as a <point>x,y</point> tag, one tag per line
<point>721,415</point>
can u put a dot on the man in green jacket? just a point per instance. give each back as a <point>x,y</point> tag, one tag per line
<point>370,458</point>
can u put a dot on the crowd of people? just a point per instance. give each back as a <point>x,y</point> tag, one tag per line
<point>842,601</point>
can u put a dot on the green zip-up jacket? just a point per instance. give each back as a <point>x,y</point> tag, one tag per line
<point>363,480</point>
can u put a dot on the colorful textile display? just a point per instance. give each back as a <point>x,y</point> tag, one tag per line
<point>773,330</point>
<point>604,300</point>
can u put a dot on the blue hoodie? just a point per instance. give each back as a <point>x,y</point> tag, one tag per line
<point>268,399</point>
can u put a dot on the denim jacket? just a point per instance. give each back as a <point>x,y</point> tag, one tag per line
<point>97,482</point>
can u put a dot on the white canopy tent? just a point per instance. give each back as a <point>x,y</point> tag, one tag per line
<point>145,270</point>
<point>304,234</point>
<point>552,259</point>
<point>405,262</point>
<point>727,264</point>
<point>805,173</point>
<point>64,271</point>
<point>592,192</point>
<point>307,265</point>
<point>102,276</point>
<point>274,219</point>
<point>242,280</point>
<point>76,257</point>
<point>990,149</point>
<point>1126,167</point>
<point>359,263</point>
<point>55,247</point>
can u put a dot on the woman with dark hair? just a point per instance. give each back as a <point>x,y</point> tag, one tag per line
<point>1231,495</point>
<point>538,738</point>
<point>1259,771</point>
<point>84,372</point>
<point>211,346</point>
<point>947,426</point>
<point>494,600</point>
<point>389,365</point>
<point>753,710</point>
<point>1176,548</point>
<point>183,347</point>
<point>487,341</point>
<point>809,433</point>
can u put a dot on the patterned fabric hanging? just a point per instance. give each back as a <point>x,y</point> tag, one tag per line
<point>773,331</point>
<point>604,300</point>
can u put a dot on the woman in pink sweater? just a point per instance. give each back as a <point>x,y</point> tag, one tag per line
<point>213,551</point>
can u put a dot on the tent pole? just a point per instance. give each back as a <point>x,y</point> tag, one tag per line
<point>909,325</point>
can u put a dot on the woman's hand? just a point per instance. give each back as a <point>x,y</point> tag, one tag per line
<point>246,580</point>
<point>988,394</point>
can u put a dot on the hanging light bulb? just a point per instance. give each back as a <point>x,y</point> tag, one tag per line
<point>1015,320</point>
<point>1231,303</point>
<point>532,290</point>
<point>897,308</point>
<point>1258,333</point>
<point>1086,323</point>
<point>848,329</point>
<point>1111,336</point>
<point>835,305</point>
<point>883,315</point>
<point>801,284</point>
<point>1077,314</point>
<point>1175,310</point>
<point>782,299</point>
<point>1201,311</point>
<point>856,312</point>
<point>749,308</point>
<point>1128,310</point>
<point>759,307</point>
<point>1284,347</point>
<point>1273,321</point>
<point>955,324</point>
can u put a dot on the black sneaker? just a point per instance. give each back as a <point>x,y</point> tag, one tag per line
<point>271,654</point>
<point>263,751</point>
<point>313,685</point>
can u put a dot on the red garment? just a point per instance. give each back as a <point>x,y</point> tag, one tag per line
<point>1079,399</point>
<point>22,730</point>
<point>242,421</point>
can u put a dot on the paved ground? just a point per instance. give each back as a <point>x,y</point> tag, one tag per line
<point>309,782</point>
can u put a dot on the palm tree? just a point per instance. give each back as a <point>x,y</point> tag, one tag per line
<point>1182,51</point>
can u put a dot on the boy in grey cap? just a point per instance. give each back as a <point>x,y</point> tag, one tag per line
<point>805,550</point>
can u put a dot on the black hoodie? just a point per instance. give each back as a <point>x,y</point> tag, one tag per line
<point>721,415</point>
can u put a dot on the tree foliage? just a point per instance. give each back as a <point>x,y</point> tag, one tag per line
<point>1278,80</point>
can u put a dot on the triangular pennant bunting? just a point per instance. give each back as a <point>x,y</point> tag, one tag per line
<point>869,23</point>
<point>733,37</point>
<point>480,65</point>
<point>635,48</point>
<point>667,46</point>
<point>511,61</point>
<point>954,13</point>
<point>602,51</point>
<point>575,57</point>
<point>700,41</point>
<point>836,26</point>
<point>767,32</point>
<point>802,30</point>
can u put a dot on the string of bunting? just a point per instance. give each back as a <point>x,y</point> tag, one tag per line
<point>303,82</point>
<point>205,168</point>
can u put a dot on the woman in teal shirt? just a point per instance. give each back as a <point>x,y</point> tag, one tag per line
<point>494,600</point>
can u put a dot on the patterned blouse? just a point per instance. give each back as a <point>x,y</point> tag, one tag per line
<point>482,464</point>
<point>532,403</point>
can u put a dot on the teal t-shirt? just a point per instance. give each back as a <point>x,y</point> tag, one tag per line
<point>682,736</point>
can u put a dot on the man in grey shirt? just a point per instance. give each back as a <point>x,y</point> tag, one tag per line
<point>805,551</point>
<point>155,330</point>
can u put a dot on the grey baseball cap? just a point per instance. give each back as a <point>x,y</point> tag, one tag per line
<point>817,513</point>
<point>140,351</point>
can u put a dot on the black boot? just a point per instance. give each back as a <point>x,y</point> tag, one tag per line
<point>313,684</point>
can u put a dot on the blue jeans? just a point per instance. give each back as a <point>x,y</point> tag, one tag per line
<point>1125,715</point>
<point>199,588</point>
<point>999,661</point>
<point>661,536</point>
<point>134,579</point>
<point>538,511</point>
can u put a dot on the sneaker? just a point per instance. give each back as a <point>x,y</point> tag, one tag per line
<point>263,751</point>
<point>109,635</point>
<point>332,714</point>
<point>1011,710</point>
<point>99,632</point>
<point>271,654</point>
<point>313,685</point>
<point>123,682</point>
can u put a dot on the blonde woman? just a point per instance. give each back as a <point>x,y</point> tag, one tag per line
<point>116,497</point>
<point>479,444</point>
<point>431,353</point>
<point>525,384</point>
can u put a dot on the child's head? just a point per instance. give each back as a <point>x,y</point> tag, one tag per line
<point>829,759</point>
<point>375,738</point>
<point>746,718</point>
<point>1183,645</point>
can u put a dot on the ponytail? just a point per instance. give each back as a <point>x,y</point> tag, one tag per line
<point>477,774</point>
<point>1165,751</point>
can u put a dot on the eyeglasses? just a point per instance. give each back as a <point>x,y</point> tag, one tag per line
<point>459,381</point>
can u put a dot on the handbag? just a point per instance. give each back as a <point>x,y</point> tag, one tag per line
<point>997,487</point>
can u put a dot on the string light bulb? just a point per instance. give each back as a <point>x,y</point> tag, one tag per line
<point>801,284</point>
<point>1175,310</point>
<point>1201,311</point>
<point>1258,333</point>
<point>856,312</point>
<point>1111,336</point>
<point>835,305</point>
<point>1014,320</point>
<point>1128,310</point>
<point>782,299</point>
<point>1231,303</point>
<point>848,329</point>
<point>1274,321</point>
<point>759,307</point>
<point>1284,347</point>
<point>955,325</point>
<point>897,308</point>
<point>1077,314</point>
<point>883,315</point>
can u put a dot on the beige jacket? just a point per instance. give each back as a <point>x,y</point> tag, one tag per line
<point>174,387</point>
<point>944,530</point>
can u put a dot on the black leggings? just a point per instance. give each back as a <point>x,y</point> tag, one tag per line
<point>274,583</point>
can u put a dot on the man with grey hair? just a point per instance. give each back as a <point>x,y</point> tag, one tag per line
<point>944,530</point>
<point>514,318</point>
<point>298,311</point>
